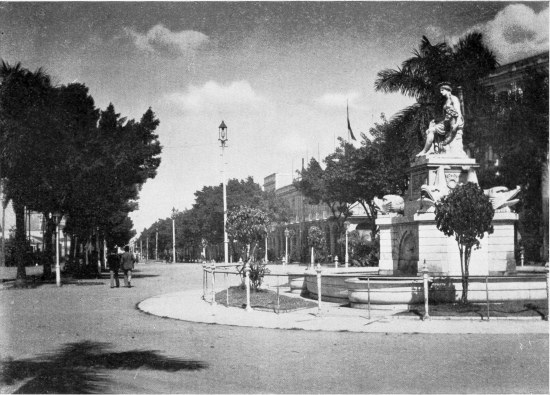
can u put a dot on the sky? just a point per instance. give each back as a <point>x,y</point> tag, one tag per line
<point>279,74</point>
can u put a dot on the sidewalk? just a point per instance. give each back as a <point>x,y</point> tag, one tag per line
<point>189,306</point>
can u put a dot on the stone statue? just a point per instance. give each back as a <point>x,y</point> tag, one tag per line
<point>502,198</point>
<point>445,136</point>
<point>390,204</point>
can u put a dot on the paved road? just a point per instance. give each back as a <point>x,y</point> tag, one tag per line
<point>89,338</point>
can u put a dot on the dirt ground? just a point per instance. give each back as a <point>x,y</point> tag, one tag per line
<point>89,338</point>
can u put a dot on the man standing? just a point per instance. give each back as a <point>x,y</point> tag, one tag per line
<point>113,261</point>
<point>127,261</point>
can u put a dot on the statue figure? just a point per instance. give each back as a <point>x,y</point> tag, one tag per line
<point>449,129</point>
<point>502,198</point>
<point>390,204</point>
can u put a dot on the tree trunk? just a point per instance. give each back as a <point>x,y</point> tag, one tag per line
<point>20,242</point>
<point>48,248</point>
<point>465,281</point>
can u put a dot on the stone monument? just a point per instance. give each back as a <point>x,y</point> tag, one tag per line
<point>409,236</point>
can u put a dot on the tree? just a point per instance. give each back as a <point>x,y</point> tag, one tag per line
<point>248,226</point>
<point>517,131</point>
<point>28,144</point>
<point>462,65</point>
<point>316,241</point>
<point>465,213</point>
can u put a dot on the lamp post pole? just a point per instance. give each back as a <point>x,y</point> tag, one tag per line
<point>346,226</point>
<point>223,139</point>
<point>173,235</point>
<point>286,245</point>
<point>57,219</point>
<point>157,245</point>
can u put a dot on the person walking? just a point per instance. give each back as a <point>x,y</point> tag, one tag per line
<point>113,261</point>
<point>127,261</point>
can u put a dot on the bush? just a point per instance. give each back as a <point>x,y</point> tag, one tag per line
<point>257,272</point>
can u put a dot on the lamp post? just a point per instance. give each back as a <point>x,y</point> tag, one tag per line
<point>287,233</point>
<point>57,219</point>
<point>157,244</point>
<point>173,235</point>
<point>223,139</point>
<point>266,246</point>
<point>346,227</point>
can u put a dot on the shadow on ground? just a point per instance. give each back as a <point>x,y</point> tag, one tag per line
<point>80,368</point>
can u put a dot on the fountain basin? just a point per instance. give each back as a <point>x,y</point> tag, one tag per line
<point>409,290</point>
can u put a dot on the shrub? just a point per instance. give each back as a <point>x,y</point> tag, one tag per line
<point>442,291</point>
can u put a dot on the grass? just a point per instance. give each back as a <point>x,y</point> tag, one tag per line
<point>262,300</point>
<point>516,308</point>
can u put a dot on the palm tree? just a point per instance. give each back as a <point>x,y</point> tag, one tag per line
<point>462,65</point>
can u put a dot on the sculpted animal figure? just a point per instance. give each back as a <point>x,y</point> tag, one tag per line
<point>502,198</point>
<point>390,204</point>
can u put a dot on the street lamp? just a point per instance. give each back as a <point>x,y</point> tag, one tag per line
<point>287,233</point>
<point>174,235</point>
<point>223,139</point>
<point>346,226</point>
<point>157,244</point>
<point>57,219</point>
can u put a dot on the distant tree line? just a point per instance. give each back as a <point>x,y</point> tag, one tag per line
<point>61,154</point>
<point>202,224</point>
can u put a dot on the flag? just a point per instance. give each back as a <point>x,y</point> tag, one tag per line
<point>349,126</point>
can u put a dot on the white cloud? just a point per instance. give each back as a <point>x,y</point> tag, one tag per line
<point>516,32</point>
<point>162,41</point>
<point>234,97</point>
<point>338,100</point>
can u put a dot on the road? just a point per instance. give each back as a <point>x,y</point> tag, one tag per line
<point>89,338</point>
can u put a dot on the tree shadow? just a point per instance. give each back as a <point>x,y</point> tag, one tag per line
<point>77,368</point>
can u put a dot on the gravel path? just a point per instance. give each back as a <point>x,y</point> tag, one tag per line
<point>89,338</point>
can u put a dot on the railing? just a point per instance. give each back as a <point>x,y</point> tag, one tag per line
<point>421,288</point>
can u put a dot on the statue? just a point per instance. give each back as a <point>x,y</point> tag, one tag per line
<point>446,135</point>
<point>502,198</point>
<point>389,204</point>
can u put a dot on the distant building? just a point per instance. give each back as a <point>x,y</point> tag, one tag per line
<point>303,216</point>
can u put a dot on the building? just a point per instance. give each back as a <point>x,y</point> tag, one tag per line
<point>305,215</point>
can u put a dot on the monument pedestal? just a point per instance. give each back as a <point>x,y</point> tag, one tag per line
<point>409,240</point>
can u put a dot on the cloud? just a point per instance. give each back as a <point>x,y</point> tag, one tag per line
<point>516,32</point>
<point>338,100</point>
<point>164,42</point>
<point>233,97</point>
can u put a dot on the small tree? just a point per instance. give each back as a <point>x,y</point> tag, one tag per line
<point>315,240</point>
<point>248,226</point>
<point>465,213</point>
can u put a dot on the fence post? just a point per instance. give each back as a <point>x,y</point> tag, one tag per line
<point>226,290</point>
<point>425,277</point>
<point>547,288</point>
<point>213,267</point>
<point>247,285</point>
<point>318,270</point>
<point>487,295</point>
<point>368,294</point>
<point>204,282</point>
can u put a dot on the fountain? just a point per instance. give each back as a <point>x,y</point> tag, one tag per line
<point>409,238</point>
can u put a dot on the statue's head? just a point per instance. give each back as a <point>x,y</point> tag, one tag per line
<point>445,86</point>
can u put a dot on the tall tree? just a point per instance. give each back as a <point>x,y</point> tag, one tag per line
<point>28,148</point>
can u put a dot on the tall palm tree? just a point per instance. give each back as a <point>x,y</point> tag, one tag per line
<point>462,65</point>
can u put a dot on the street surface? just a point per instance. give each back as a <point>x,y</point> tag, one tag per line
<point>89,338</point>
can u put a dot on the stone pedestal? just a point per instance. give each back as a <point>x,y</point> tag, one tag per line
<point>409,240</point>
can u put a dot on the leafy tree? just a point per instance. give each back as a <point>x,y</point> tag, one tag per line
<point>248,226</point>
<point>316,240</point>
<point>28,148</point>
<point>465,213</point>
<point>518,134</point>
